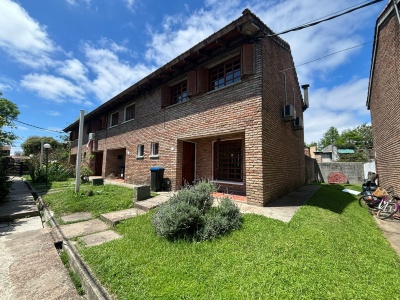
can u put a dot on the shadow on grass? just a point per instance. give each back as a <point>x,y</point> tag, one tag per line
<point>332,198</point>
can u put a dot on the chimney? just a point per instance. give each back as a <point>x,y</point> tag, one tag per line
<point>305,101</point>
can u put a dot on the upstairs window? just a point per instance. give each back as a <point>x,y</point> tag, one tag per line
<point>154,150</point>
<point>114,119</point>
<point>129,112</point>
<point>179,93</point>
<point>225,74</point>
<point>140,151</point>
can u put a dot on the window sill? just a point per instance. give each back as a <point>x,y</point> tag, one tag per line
<point>127,121</point>
<point>227,182</point>
<point>153,156</point>
<point>139,157</point>
<point>113,126</point>
<point>224,87</point>
<point>179,103</point>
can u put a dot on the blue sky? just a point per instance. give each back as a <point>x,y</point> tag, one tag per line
<point>58,57</point>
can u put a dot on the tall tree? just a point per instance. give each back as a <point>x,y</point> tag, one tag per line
<point>33,143</point>
<point>8,114</point>
<point>330,137</point>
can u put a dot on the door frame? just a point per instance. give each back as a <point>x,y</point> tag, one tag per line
<point>194,161</point>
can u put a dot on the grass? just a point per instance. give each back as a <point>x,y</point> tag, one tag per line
<point>74,277</point>
<point>331,249</point>
<point>106,198</point>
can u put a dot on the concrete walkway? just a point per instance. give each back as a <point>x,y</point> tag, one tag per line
<point>30,267</point>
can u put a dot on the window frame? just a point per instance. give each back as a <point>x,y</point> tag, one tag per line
<point>232,63</point>
<point>111,119</point>
<point>140,151</point>
<point>179,93</point>
<point>134,112</point>
<point>229,172</point>
<point>154,149</point>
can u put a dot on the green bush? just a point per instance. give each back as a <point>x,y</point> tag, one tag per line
<point>189,215</point>
<point>5,184</point>
<point>55,172</point>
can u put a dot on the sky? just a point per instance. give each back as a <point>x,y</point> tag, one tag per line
<point>60,57</point>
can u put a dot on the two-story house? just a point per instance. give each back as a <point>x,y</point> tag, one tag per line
<point>384,95</point>
<point>229,109</point>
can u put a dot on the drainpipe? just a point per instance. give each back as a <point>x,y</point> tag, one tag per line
<point>79,154</point>
<point>397,10</point>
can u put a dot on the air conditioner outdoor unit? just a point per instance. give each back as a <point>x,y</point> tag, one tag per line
<point>288,113</point>
<point>298,123</point>
<point>92,136</point>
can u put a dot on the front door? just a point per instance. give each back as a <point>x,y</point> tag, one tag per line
<point>98,163</point>
<point>188,163</point>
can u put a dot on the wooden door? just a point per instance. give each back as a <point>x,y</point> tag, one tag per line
<point>188,163</point>
<point>98,163</point>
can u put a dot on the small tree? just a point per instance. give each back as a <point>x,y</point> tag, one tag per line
<point>8,114</point>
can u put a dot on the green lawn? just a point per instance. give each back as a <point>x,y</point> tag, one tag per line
<point>332,249</point>
<point>106,198</point>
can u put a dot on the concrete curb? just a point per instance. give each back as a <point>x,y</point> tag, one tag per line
<point>93,289</point>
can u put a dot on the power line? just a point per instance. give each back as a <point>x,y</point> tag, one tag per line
<point>327,56</point>
<point>39,127</point>
<point>313,23</point>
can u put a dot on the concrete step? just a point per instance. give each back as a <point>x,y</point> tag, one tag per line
<point>13,209</point>
<point>148,204</point>
<point>112,218</point>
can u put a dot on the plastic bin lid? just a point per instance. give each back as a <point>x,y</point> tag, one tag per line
<point>157,169</point>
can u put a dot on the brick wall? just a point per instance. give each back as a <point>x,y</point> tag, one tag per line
<point>273,151</point>
<point>282,147</point>
<point>385,103</point>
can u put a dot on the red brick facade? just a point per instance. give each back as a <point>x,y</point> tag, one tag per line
<point>384,98</point>
<point>248,111</point>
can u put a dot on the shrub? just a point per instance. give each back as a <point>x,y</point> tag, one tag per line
<point>5,184</point>
<point>189,215</point>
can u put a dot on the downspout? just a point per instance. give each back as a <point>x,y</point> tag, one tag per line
<point>397,10</point>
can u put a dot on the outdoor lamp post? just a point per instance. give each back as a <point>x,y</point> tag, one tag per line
<point>47,147</point>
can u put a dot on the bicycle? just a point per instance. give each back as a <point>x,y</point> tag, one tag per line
<point>370,200</point>
<point>388,207</point>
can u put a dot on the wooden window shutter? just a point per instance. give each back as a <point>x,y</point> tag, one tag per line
<point>166,96</point>
<point>104,122</point>
<point>248,59</point>
<point>96,125</point>
<point>89,128</point>
<point>192,83</point>
<point>203,80</point>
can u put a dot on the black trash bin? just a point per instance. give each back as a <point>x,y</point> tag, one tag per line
<point>157,174</point>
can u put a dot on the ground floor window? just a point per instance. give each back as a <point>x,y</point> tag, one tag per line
<point>154,150</point>
<point>228,160</point>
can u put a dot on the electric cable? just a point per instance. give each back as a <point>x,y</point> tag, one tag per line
<point>38,127</point>
<point>310,24</point>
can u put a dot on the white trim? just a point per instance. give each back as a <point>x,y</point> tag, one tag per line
<point>111,114</point>
<point>125,120</point>
<point>227,182</point>
<point>152,154</point>
<point>137,151</point>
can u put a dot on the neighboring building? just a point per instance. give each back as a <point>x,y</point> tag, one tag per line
<point>225,110</point>
<point>5,150</point>
<point>328,154</point>
<point>384,96</point>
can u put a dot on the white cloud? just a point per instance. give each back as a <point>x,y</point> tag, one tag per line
<point>22,37</point>
<point>342,106</point>
<point>75,2</point>
<point>53,113</point>
<point>130,3</point>
<point>74,70</point>
<point>53,88</point>
<point>112,75</point>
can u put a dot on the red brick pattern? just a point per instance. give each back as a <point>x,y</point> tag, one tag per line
<point>249,110</point>
<point>385,103</point>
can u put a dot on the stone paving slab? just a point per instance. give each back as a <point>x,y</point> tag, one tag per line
<point>100,238</point>
<point>148,204</point>
<point>83,228</point>
<point>112,218</point>
<point>79,216</point>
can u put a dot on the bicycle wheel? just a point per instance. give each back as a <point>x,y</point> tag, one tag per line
<point>362,201</point>
<point>387,211</point>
